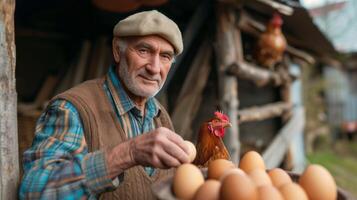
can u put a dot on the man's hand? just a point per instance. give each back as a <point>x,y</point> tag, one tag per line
<point>160,148</point>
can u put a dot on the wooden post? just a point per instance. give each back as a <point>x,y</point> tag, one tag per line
<point>285,90</point>
<point>228,50</point>
<point>9,160</point>
<point>190,97</point>
<point>285,93</point>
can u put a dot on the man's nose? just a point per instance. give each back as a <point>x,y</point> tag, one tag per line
<point>154,64</point>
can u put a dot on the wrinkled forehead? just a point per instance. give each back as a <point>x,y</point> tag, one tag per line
<point>152,41</point>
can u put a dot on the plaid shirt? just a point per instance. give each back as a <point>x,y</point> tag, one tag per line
<point>58,164</point>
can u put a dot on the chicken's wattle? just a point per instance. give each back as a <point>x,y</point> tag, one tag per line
<point>217,131</point>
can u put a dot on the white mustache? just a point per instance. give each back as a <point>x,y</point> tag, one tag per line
<point>150,77</point>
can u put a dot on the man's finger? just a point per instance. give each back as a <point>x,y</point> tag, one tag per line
<point>168,160</point>
<point>175,151</point>
<point>179,141</point>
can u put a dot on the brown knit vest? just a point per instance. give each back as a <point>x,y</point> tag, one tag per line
<point>103,131</point>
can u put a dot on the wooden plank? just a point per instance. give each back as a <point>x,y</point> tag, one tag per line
<point>98,59</point>
<point>75,74</point>
<point>283,9</point>
<point>191,93</point>
<point>258,113</point>
<point>257,75</point>
<point>46,90</point>
<point>275,153</point>
<point>285,89</point>
<point>300,54</point>
<point>66,81</point>
<point>106,58</point>
<point>81,66</point>
<point>9,158</point>
<point>191,31</point>
<point>228,50</point>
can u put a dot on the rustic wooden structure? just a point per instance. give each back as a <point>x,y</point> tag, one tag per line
<point>232,67</point>
<point>215,71</point>
<point>228,51</point>
<point>9,165</point>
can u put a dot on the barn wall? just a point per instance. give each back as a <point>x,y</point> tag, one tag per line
<point>341,95</point>
<point>257,135</point>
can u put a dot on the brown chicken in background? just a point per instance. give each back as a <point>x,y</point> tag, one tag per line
<point>271,44</point>
<point>210,145</point>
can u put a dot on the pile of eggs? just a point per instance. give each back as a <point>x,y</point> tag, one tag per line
<point>250,181</point>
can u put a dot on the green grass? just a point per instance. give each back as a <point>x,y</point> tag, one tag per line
<point>341,161</point>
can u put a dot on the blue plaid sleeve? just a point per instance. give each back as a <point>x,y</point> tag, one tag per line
<point>58,165</point>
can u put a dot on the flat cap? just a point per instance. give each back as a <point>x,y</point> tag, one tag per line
<point>150,23</point>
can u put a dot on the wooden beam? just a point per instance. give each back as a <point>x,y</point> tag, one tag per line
<point>81,66</point>
<point>275,153</point>
<point>9,158</point>
<point>263,112</point>
<point>47,90</point>
<point>98,64</point>
<point>191,31</point>
<point>285,89</point>
<point>190,95</point>
<point>300,54</point>
<point>228,50</point>
<point>258,75</point>
<point>283,9</point>
<point>66,82</point>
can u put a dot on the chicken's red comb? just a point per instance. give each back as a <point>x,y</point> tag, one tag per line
<point>220,115</point>
<point>276,20</point>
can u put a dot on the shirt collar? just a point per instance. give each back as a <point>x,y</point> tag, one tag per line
<point>125,103</point>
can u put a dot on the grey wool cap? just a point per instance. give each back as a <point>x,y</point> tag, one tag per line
<point>150,23</point>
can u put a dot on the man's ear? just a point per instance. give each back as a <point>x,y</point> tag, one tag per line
<point>115,49</point>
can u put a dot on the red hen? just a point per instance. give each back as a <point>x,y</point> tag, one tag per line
<point>210,145</point>
<point>271,44</point>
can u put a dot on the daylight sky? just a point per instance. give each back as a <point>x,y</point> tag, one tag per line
<point>317,3</point>
<point>340,26</point>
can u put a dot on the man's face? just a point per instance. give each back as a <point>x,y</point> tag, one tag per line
<point>144,65</point>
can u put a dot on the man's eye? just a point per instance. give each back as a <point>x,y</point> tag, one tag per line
<point>166,57</point>
<point>143,51</point>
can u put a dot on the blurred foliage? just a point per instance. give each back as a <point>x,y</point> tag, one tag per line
<point>313,97</point>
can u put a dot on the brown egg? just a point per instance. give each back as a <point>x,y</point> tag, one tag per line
<point>318,183</point>
<point>293,191</point>
<point>231,171</point>
<point>217,167</point>
<point>251,160</point>
<point>208,191</point>
<point>259,177</point>
<point>269,192</point>
<point>187,179</point>
<point>279,177</point>
<point>192,150</point>
<point>238,187</point>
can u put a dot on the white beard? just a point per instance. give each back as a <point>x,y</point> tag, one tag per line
<point>132,85</point>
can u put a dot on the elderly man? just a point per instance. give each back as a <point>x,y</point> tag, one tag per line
<point>109,137</point>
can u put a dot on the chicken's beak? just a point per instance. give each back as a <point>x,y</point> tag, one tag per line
<point>227,124</point>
